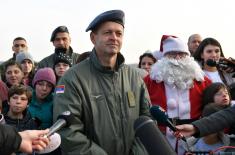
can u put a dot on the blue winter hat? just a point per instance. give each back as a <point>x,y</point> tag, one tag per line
<point>117,16</point>
<point>21,56</point>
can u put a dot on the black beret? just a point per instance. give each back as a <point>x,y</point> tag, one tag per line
<point>117,16</point>
<point>59,29</point>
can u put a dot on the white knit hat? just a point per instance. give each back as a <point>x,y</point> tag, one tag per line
<point>173,44</point>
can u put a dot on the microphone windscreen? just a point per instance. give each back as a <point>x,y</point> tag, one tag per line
<point>67,116</point>
<point>211,63</point>
<point>159,114</point>
<point>151,137</point>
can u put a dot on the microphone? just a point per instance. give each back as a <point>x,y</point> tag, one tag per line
<point>63,120</point>
<point>151,137</point>
<point>160,115</point>
<point>220,63</point>
<point>2,120</point>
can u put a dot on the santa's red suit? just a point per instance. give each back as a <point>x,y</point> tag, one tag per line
<point>180,104</point>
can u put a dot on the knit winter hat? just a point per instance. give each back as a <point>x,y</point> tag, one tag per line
<point>171,43</point>
<point>62,57</point>
<point>21,56</point>
<point>44,74</point>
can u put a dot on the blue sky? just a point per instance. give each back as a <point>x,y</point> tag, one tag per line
<point>146,22</point>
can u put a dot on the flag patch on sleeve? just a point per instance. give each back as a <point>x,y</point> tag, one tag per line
<point>59,89</point>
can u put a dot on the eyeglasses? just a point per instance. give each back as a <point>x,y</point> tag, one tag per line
<point>175,54</point>
<point>18,45</point>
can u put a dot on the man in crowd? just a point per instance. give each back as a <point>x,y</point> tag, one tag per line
<point>193,42</point>
<point>105,95</point>
<point>19,45</point>
<point>61,41</point>
<point>176,83</point>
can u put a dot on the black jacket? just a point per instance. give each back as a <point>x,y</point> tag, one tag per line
<point>9,140</point>
<point>27,123</point>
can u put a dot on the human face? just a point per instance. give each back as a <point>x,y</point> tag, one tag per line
<point>14,75</point>
<point>211,52</point>
<point>146,63</point>
<point>26,66</point>
<point>18,103</point>
<point>194,42</point>
<point>19,45</point>
<point>62,40</point>
<point>176,55</point>
<point>61,68</point>
<point>43,89</point>
<point>108,38</point>
<point>221,98</point>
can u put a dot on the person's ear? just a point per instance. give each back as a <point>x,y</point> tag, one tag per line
<point>92,37</point>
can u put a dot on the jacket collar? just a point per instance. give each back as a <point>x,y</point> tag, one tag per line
<point>95,61</point>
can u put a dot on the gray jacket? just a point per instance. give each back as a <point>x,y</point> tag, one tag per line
<point>216,122</point>
<point>105,104</point>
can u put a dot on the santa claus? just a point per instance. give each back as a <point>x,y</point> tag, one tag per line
<point>176,83</point>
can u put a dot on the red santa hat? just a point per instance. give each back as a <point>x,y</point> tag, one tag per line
<point>170,43</point>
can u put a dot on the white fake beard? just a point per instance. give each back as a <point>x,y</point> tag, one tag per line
<point>177,73</point>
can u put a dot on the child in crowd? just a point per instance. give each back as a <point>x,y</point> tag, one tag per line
<point>218,94</point>
<point>62,63</point>
<point>213,141</point>
<point>18,116</point>
<point>13,74</point>
<point>215,97</point>
<point>41,105</point>
<point>27,64</point>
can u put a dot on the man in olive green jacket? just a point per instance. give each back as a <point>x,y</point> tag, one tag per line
<point>105,95</point>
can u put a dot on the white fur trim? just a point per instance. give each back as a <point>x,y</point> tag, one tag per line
<point>174,45</point>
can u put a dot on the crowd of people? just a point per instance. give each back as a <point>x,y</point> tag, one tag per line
<point>106,96</point>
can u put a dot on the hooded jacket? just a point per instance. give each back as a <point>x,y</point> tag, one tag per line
<point>27,123</point>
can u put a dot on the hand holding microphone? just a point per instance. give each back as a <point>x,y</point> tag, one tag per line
<point>63,120</point>
<point>223,63</point>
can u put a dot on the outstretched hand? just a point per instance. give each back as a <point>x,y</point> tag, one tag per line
<point>33,140</point>
<point>186,129</point>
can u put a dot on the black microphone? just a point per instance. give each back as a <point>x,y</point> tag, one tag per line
<point>63,120</point>
<point>151,137</point>
<point>220,63</point>
<point>161,116</point>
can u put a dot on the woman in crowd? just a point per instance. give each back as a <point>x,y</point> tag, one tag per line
<point>146,60</point>
<point>13,74</point>
<point>27,64</point>
<point>211,50</point>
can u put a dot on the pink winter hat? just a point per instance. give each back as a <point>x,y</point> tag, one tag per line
<point>44,74</point>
